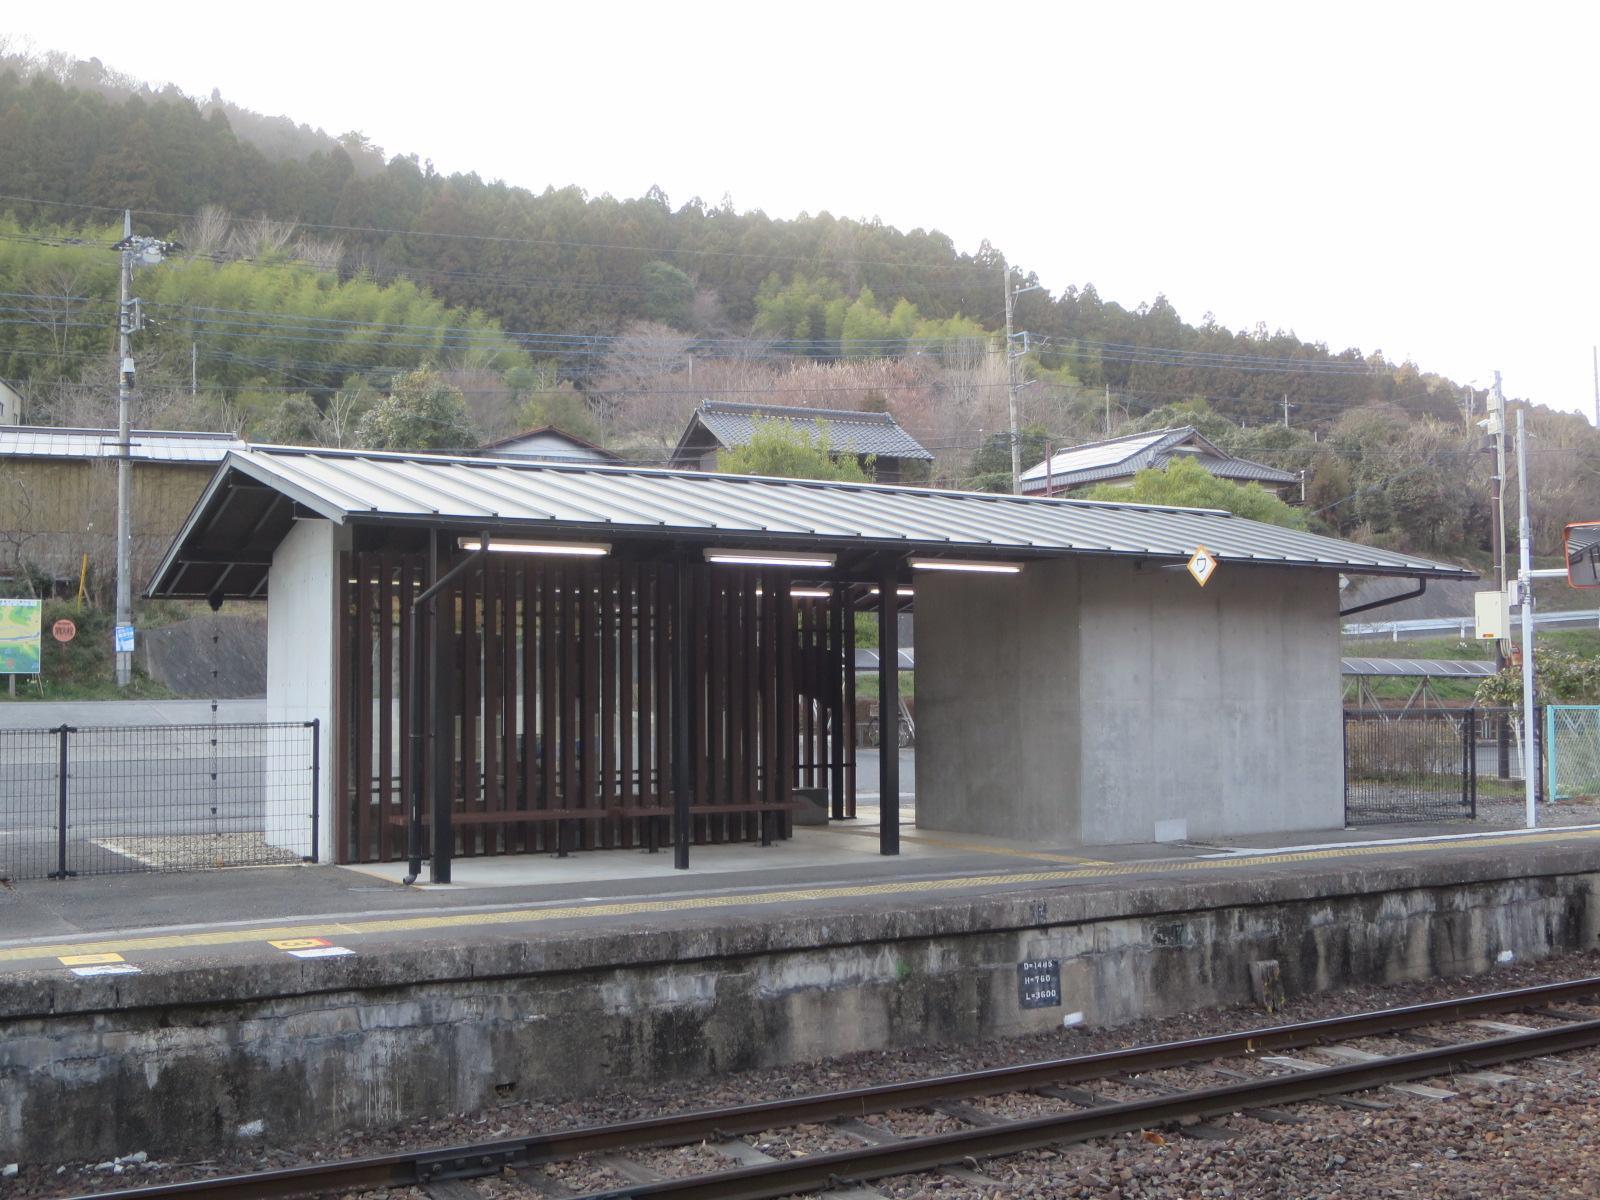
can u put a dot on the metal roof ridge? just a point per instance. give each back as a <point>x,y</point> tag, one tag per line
<point>839,414</point>
<point>445,458</point>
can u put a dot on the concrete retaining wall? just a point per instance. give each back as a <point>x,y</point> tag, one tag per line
<point>193,1059</point>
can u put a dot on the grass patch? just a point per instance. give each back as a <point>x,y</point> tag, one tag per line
<point>84,668</point>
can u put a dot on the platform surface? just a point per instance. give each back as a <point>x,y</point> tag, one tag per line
<point>161,923</point>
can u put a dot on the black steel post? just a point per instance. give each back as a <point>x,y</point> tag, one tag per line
<point>844,645</point>
<point>316,784</point>
<point>61,871</point>
<point>424,602</point>
<point>680,715</point>
<point>889,709</point>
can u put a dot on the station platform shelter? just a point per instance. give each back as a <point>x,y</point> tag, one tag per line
<point>537,658</point>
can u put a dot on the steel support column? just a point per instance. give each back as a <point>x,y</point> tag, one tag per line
<point>889,708</point>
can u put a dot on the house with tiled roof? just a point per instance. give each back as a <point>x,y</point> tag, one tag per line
<point>722,425</point>
<point>1118,460</point>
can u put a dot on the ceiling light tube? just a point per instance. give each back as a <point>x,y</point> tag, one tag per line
<point>770,558</point>
<point>905,591</point>
<point>810,593</point>
<point>974,566</point>
<point>517,546</point>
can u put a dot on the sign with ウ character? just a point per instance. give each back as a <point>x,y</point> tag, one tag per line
<point>1202,565</point>
<point>1039,983</point>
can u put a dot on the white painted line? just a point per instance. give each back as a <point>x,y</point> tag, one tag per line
<point>1246,852</point>
<point>322,952</point>
<point>107,969</point>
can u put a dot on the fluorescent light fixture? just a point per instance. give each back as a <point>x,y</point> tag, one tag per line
<point>898,591</point>
<point>974,566</point>
<point>810,593</point>
<point>769,558</point>
<point>517,546</point>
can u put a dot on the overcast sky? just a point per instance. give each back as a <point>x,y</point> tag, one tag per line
<point>1414,178</point>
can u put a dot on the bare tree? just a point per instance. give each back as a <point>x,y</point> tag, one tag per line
<point>208,234</point>
<point>261,238</point>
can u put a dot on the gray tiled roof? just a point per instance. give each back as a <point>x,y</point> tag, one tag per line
<point>1118,458</point>
<point>848,430</point>
<point>689,508</point>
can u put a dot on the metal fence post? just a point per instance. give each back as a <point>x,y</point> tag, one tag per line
<point>315,725</point>
<point>61,871</point>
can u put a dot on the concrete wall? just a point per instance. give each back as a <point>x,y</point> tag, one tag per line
<point>302,607</point>
<point>187,1060</point>
<point>1084,701</point>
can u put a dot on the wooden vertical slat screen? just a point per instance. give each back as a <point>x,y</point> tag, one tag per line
<point>555,688</point>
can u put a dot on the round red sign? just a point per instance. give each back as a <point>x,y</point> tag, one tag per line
<point>63,630</point>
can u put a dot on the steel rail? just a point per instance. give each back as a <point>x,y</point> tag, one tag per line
<point>461,1162</point>
<point>826,1171</point>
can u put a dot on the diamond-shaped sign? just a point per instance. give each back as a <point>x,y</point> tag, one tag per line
<point>1202,565</point>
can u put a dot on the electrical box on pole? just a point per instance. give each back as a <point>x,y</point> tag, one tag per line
<point>1493,612</point>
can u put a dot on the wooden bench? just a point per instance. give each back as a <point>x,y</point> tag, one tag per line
<point>653,814</point>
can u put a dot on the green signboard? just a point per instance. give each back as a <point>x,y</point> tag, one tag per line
<point>19,637</point>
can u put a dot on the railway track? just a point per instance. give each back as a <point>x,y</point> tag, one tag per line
<point>1454,1039</point>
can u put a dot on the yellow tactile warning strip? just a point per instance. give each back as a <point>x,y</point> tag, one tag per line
<point>981,848</point>
<point>209,939</point>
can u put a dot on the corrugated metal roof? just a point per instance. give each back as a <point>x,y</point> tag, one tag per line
<point>1118,458</point>
<point>857,432</point>
<point>700,509</point>
<point>148,445</point>
<point>1430,668</point>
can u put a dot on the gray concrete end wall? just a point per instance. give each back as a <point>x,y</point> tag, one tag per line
<point>1082,702</point>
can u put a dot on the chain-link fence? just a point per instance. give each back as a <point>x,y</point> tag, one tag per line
<point>1411,766</point>
<point>1572,749</point>
<point>111,799</point>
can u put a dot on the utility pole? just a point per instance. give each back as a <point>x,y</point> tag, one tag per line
<point>1108,410</point>
<point>1497,498</point>
<point>1286,410</point>
<point>1596,350</point>
<point>123,647</point>
<point>1011,388</point>
<point>1530,714</point>
<point>129,322</point>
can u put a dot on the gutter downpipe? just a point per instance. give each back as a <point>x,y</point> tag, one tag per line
<point>414,615</point>
<point>1422,586</point>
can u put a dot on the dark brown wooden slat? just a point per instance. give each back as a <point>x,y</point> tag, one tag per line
<point>385,668</point>
<point>750,723</point>
<point>549,684</point>
<point>366,835</point>
<point>568,788</point>
<point>734,709</point>
<point>786,696</point>
<point>646,593</point>
<point>405,568</point>
<point>588,692</point>
<point>528,727</point>
<point>717,700</point>
<point>490,800</point>
<point>510,690</point>
<point>666,590</point>
<point>626,791</point>
<point>848,659</point>
<point>343,743</point>
<point>607,697</point>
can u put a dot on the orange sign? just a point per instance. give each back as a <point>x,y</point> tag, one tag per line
<point>63,630</point>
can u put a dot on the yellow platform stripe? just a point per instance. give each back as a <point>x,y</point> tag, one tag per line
<point>134,944</point>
